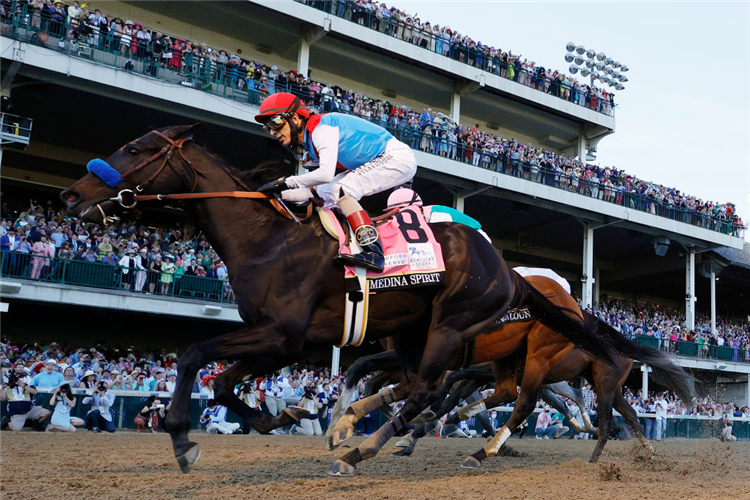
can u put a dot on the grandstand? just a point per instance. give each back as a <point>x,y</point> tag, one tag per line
<point>86,97</point>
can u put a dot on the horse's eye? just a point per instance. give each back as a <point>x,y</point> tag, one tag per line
<point>133,151</point>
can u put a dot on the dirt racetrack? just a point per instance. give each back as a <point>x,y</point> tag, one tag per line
<point>130,465</point>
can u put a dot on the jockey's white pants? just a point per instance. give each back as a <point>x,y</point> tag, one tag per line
<point>222,427</point>
<point>396,166</point>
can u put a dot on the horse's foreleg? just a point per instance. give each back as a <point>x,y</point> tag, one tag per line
<point>524,406</point>
<point>345,400</point>
<point>565,390</point>
<point>259,342</point>
<point>439,352</point>
<point>345,427</point>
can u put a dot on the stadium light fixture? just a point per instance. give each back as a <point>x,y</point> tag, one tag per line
<point>597,66</point>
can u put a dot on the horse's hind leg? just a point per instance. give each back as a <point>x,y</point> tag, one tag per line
<point>604,410</point>
<point>631,417</point>
<point>261,422</point>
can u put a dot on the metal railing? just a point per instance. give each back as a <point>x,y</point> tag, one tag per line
<point>113,277</point>
<point>696,350</point>
<point>15,129</point>
<point>226,80</point>
<point>472,55</point>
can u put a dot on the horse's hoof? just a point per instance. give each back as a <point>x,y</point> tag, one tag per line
<point>471,463</point>
<point>189,458</point>
<point>341,468</point>
<point>427,415</point>
<point>339,436</point>
<point>404,452</point>
<point>296,412</point>
<point>404,442</point>
<point>329,443</point>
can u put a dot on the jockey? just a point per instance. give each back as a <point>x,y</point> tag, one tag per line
<point>403,197</point>
<point>372,159</point>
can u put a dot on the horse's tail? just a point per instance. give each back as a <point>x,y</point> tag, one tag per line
<point>665,372</point>
<point>565,321</point>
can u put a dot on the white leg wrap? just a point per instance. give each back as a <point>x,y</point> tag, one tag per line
<point>468,411</point>
<point>496,442</point>
<point>576,425</point>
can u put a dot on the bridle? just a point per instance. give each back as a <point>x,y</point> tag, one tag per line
<point>129,198</point>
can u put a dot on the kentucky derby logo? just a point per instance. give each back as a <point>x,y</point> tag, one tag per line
<point>422,256</point>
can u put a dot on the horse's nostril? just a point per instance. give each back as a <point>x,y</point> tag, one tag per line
<point>70,197</point>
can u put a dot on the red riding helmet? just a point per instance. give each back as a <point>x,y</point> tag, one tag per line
<point>282,103</point>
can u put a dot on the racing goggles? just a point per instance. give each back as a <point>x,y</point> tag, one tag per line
<point>276,122</point>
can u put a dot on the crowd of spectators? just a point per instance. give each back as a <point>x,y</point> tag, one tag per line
<point>100,370</point>
<point>450,43</point>
<point>668,326</point>
<point>152,260</point>
<point>432,132</point>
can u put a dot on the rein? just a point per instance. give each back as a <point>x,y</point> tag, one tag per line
<point>128,198</point>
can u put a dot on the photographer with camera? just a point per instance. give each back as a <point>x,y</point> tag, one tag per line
<point>215,418</point>
<point>309,425</point>
<point>99,416</point>
<point>63,401</point>
<point>20,396</point>
<point>150,415</point>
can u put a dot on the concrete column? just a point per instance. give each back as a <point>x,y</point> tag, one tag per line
<point>582,148</point>
<point>303,56</point>
<point>588,266</point>
<point>644,380</point>
<point>335,360</point>
<point>713,301</point>
<point>4,91</point>
<point>690,290</point>
<point>747,391</point>
<point>456,107</point>
<point>458,202</point>
<point>596,286</point>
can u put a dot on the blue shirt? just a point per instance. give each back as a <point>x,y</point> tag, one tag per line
<point>45,379</point>
<point>359,140</point>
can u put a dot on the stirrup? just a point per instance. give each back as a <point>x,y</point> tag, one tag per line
<point>369,260</point>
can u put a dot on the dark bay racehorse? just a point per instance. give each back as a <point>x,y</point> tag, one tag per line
<point>290,294</point>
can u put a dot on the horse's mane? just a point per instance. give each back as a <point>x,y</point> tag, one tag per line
<point>265,171</point>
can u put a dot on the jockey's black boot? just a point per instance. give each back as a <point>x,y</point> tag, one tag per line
<point>371,256</point>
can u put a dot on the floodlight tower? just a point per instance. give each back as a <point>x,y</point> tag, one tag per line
<point>598,66</point>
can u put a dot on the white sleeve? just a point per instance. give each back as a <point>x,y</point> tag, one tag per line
<point>326,140</point>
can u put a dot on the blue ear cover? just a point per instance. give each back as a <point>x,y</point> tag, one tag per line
<point>104,171</point>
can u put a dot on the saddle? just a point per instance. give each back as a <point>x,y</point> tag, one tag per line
<point>413,258</point>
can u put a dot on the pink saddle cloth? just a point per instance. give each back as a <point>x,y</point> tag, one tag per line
<point>413,257</point>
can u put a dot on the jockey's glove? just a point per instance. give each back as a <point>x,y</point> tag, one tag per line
<point>274,187</point>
